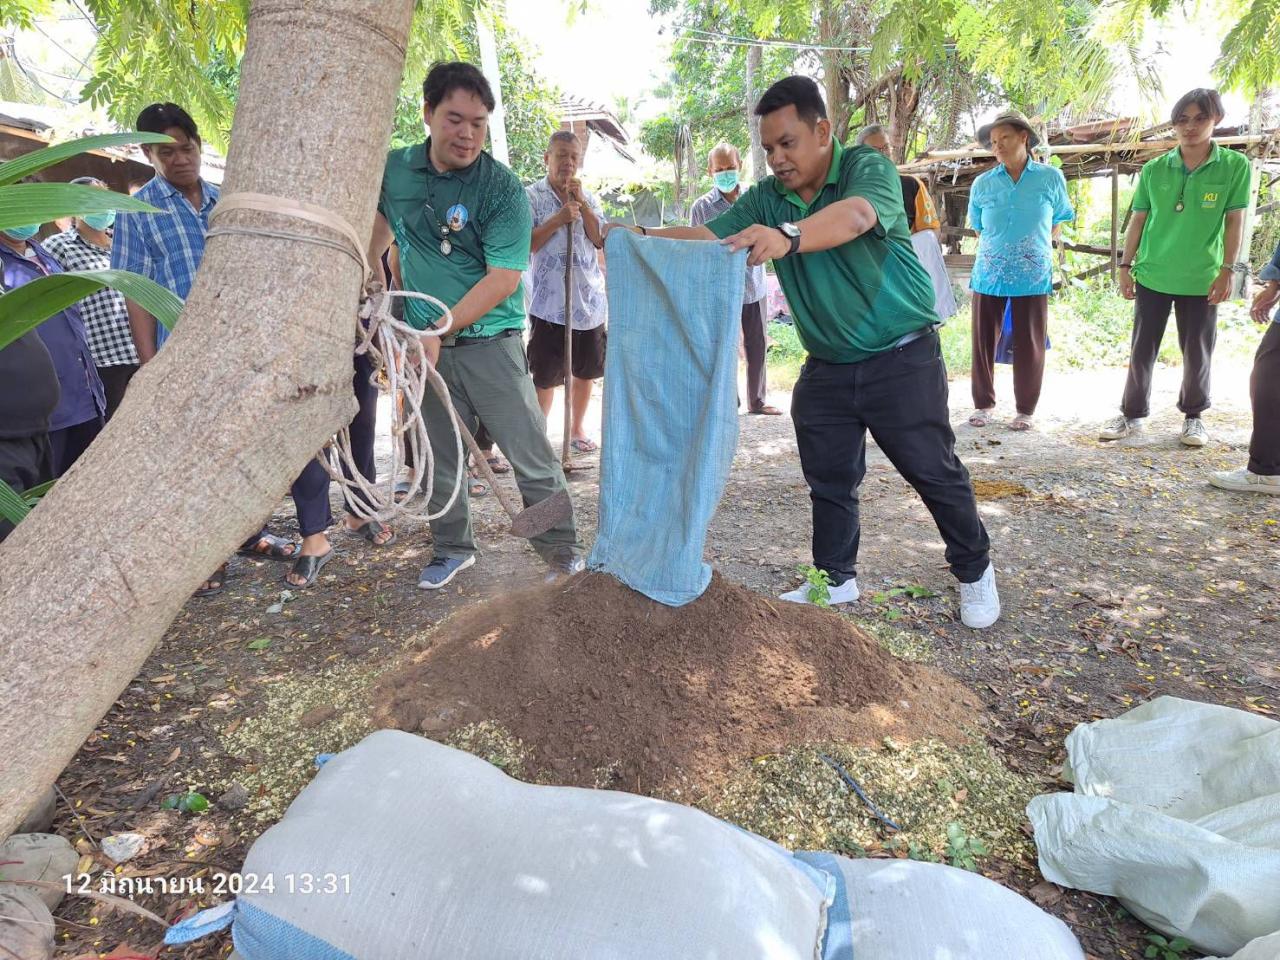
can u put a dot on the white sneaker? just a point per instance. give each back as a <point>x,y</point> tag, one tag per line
<point>846,592</point>
<point>979,601</point>
<point>1119,427</point>
<point>1193,432</point>
<point>1245,481</point>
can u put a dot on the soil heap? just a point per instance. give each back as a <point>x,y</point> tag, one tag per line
<point>609,688</point>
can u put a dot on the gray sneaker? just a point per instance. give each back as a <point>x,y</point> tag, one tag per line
<point>443,569</point>
<point>1193,432</point>
<point>1117,428</point>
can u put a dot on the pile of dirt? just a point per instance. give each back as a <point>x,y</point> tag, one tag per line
<point>609,688</point>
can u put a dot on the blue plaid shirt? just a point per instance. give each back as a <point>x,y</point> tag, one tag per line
<point>167,246</point>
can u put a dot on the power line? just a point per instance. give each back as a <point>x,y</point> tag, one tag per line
<point>729,39</point>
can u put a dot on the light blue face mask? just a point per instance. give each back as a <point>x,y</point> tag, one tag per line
<point>99,221</point>
<point>726,181</point>
<point>22,233</point>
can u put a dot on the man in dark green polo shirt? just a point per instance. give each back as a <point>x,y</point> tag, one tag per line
<point>462,224</point>
<point>832,221</point>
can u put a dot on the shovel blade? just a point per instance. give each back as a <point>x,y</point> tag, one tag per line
<point>542,516</point>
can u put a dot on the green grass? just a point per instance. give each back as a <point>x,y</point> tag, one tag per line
<point>1089,327</point>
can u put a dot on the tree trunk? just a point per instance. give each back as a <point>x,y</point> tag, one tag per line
<point>758,170</point>
<point>213,430</point>
<point>835,87</point>
<point>904,102</point>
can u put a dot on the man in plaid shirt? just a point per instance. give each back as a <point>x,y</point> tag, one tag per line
<point>86,245</point>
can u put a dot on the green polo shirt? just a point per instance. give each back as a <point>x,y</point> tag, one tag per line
<point>1180,252</point>
<point>496,227</point>
<point>858,299</point>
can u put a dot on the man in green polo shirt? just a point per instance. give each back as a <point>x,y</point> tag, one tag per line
<point>1180,255</point>
<point>462,224</point>
<point>832,221</point>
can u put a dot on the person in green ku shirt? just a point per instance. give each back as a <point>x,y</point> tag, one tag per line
<point>1180,254</point>
<point>832,221</point>
<point>462,223</point>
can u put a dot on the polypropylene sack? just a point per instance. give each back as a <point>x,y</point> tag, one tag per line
<point>670,400</point>
<point>404,849</point>
<point>1176,812</point>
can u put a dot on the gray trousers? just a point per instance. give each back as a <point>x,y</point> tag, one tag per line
<point>1197,321</point>
<point>489,381</point>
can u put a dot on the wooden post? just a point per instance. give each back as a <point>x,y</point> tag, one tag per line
<point>1115,218</point>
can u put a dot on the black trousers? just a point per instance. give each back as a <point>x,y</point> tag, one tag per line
<point>901,397</point>
<point>364,425</point>
<point>1264,391</point>
<point>68,443</point>
<point>25,462</point>
<point>1197,321</point>
<point>114,382</point>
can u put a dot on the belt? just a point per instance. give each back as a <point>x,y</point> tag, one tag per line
<point>915,335</point>
<point>457,341</point>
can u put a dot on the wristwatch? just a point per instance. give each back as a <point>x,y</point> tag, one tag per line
<point>1237,267</point>
<point>792,233</point>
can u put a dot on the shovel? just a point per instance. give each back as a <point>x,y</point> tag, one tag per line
<point>566,459</point>
<point>531,521</point>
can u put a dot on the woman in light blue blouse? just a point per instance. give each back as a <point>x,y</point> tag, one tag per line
<point>1016,209</point>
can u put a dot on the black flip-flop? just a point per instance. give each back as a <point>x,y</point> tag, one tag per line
<point>308,567</point>
<point>217,580</point>
<point>370,532</point>
<point>275,548</point>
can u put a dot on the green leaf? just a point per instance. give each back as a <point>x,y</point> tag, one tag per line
<point>1151,952</point>
<point>33,494</point>
<point>1178,944</point>
<point>260,644</point>
<point>26,203</point>
<point>14,170</point>
<point>916,592</point>
<point>13,507</point>
<point>28,306</point>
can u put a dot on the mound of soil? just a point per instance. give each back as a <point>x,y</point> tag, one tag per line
<point>609,688</point>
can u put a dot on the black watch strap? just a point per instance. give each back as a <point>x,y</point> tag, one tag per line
<point>793,240</point>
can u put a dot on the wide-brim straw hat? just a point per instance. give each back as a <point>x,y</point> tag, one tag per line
<point>1010,118</point>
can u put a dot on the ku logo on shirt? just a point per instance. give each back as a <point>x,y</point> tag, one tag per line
<point>1209,201</point>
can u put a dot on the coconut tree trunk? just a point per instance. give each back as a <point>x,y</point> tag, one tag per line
<point>255,379</point>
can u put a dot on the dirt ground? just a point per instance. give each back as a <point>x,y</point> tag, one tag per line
<point>1123,576</point>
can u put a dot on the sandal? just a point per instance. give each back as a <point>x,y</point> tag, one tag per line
<point>982,418</point>
<point>402,491</point>
<point>767,410</point>
<point>277,548</point>
<point>476,487</point>
<point>308,567</point>
<point>584,445</point>
<point>498,464</point>
<point>370,532</point>
<point>1022,421</point>
<point>214,583</point>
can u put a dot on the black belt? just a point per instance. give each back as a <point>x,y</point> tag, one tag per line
<point>458,341</point>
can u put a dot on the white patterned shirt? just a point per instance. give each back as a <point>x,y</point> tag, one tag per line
<point>708,207</point>
<point>106,319</point>
<point>546,269</point>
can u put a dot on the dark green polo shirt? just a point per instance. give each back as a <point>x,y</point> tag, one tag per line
<point>496,227</point>
<point>1181,251</point>
<point>858,299</point>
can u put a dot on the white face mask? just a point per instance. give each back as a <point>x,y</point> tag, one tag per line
<point>726,181</point>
